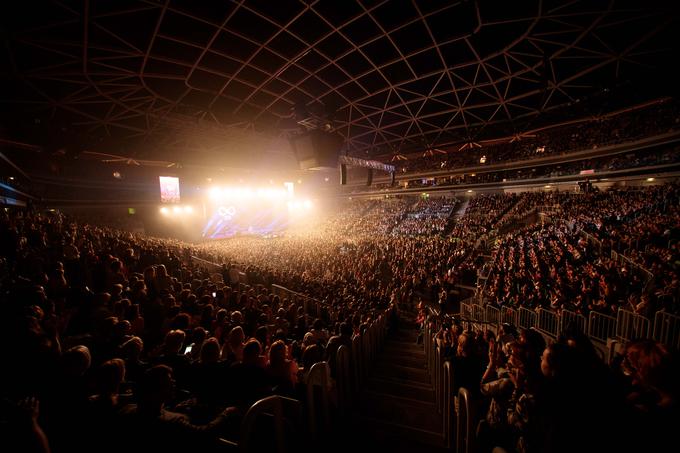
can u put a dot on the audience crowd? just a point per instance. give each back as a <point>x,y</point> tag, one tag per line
<point>118,341</point>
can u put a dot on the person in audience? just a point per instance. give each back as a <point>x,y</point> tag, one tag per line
<point>173,356</point>
<point>249,379</point>
<point>496,384</point>
<point>131,352</point>
<point>468,367</point>
<point>281,370</point>
<point>580,397</point>
<point>151,425</point>
<point>654,385</point>
<point>208,377</point>
<point>232,350</point>
<point>66,401</point>
<point>21,427</point>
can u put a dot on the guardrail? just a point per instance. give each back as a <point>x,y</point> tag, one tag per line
<point>526,318</point>
<point>217,268</point>
<point>601,326</point>
<point>626,326</point>
<point>466,311</point>
<point>624,260</point>
<point>493,314</point>
<point>630,326</point>
<point>547,322</point>
<point>312,307</point>
<point>208,264</point>
<point>667,329</point>
<point>509,316</point>
<point>592,240</point>
<point>570,319</point>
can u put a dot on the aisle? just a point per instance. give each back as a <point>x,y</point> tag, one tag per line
<point>396,410</point>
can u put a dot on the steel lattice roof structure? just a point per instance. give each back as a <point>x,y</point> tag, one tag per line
<point>174,77</point>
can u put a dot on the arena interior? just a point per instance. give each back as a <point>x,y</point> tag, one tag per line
<point>339,225</point>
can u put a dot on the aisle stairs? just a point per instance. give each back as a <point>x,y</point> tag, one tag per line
<point>396,410</point>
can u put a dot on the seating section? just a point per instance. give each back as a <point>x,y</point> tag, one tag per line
<point>426,217</point>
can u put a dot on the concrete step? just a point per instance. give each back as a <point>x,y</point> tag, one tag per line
<point>418,374</point>
<point>363,433</point>
<point>397,437</point>
<point>412,390</point>
<point>407,337</point>
<point>405,347</point>
<point>403,412</point>
<point>388,375</point>
<point>367,434</point>
<point>378,397</point>
<point>392,356</point>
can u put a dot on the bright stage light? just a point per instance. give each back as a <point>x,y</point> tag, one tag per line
<point>215,193</point>
<point>176,211</point>
<point>290,189</point>
<point>240,193</point>
<point>299,206</point>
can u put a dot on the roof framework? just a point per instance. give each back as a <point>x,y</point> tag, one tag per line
<point>388,75</point>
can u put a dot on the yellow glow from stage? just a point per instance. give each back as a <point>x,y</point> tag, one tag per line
<point>220,194</point>
<point>177,211</point>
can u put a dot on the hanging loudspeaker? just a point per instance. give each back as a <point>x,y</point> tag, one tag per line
<point>369,181</point>
<point>343,174</point>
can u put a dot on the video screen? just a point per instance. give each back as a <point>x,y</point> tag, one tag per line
<point>245,217</point>
<point>169,189</point>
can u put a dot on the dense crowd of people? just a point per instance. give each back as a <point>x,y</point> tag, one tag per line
<point>553,265</point>
<point>129,344</point>
<point>427,216</point>
<point>531,396</point>
<point>119,334</point>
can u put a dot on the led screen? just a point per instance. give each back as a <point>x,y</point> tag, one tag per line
<point>245,217</point>
<point>169,189</point>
